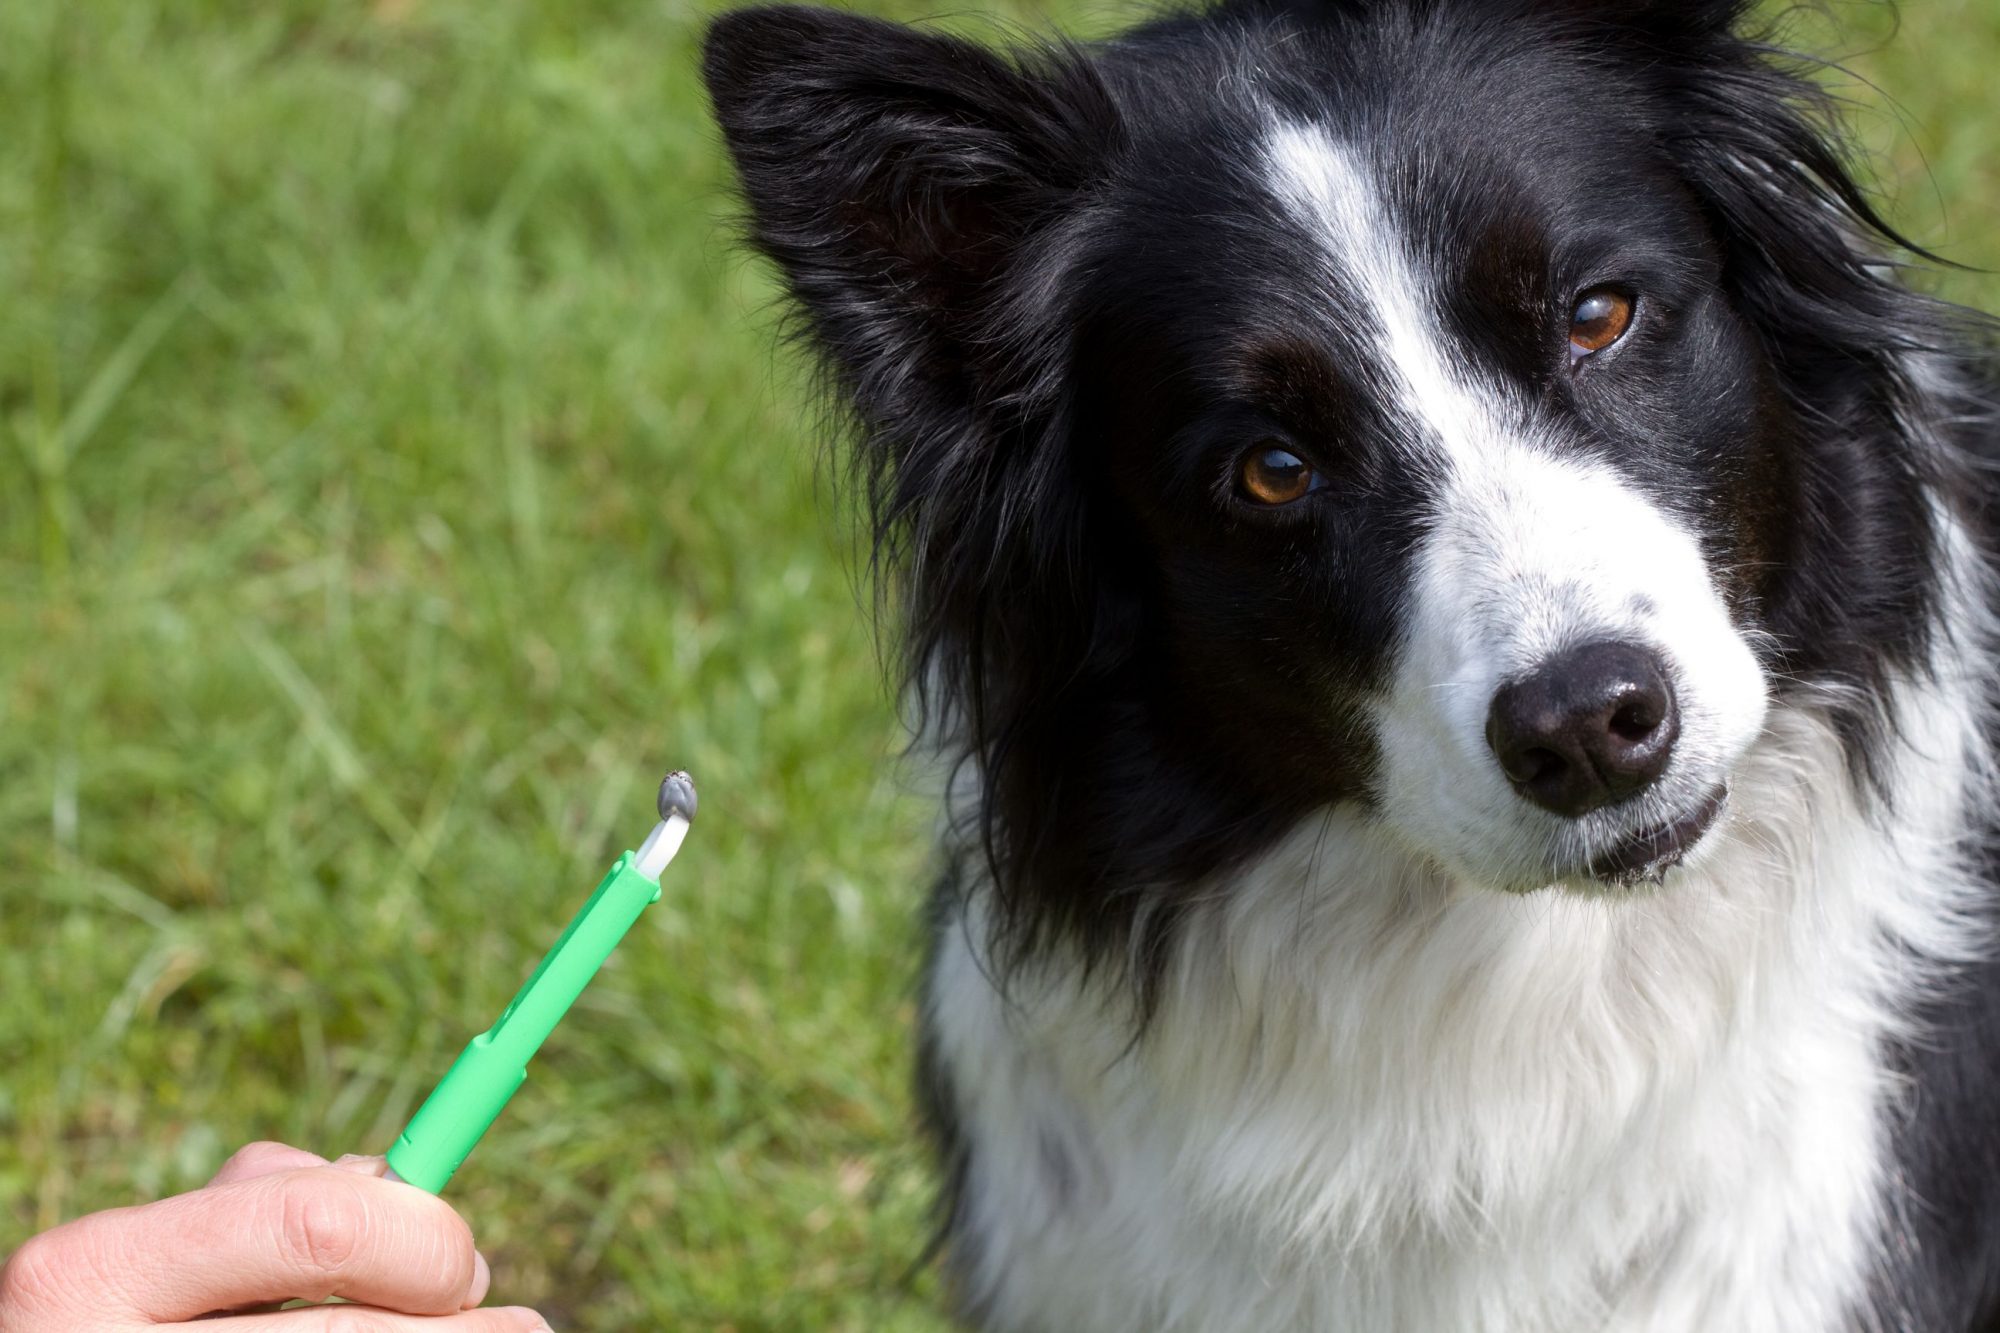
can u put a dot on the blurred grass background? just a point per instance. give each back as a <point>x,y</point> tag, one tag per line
<point>396,475</point>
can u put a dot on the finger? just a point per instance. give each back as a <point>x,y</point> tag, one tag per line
<point>482,1273</point>
<point>356,1319</point>
<point>264,1159</point>
<point>307,1235</point>
<point>363,1166</point>
<point>482,1282</point>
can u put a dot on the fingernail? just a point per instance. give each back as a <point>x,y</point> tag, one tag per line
<point>482,1281</point>
<point>362,1165</point>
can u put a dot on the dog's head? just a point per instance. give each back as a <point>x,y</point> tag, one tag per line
<point>1474,412</point>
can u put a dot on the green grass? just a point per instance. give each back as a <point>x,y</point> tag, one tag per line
<point>395,475</point>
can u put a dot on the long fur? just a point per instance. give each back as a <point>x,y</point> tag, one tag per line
<point>1258,998</point>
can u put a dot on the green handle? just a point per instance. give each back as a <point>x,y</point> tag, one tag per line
<point>487,1072</point>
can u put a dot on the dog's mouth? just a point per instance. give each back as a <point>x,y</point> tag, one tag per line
<point>1649,854</point>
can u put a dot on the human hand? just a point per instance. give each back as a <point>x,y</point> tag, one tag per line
<point>276,1224</point>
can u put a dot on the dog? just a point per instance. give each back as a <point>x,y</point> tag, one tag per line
<point>1454,583</point>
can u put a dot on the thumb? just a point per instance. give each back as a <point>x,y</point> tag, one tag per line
<point>263,1159</point>
<point>362,1166</point>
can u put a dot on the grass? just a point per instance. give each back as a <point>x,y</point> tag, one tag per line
<point>395,475</point>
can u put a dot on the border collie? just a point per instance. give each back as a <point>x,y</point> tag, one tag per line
<point>1455,579</point>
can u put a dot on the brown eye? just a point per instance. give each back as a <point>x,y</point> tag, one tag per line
<point>1271,475</point>
<point>1599,320</point>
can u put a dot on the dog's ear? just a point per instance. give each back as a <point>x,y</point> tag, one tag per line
<point>921,196</point>
<point>1804,247</point>
<point>1814,268</point>
<point>893,175</point>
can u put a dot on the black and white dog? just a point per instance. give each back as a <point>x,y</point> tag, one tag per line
<point>1457,578</point>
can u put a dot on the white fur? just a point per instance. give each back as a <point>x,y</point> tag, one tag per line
<point>1534,550</point>
<point>1328,188</point>
<point>1381,1097</point>
<point>1531,554</point>
<point>1378,1096</point>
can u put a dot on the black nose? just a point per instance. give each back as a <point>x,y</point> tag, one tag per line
<point>1591,726</point>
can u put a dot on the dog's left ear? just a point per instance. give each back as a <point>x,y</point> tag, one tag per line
<point>920,195</point>
<point>894,174</point>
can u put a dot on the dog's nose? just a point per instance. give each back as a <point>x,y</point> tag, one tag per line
<point>1590,726</point>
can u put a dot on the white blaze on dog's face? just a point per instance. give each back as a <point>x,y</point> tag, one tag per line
<point>1538,564</point>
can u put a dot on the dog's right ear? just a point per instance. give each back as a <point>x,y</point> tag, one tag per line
<point>894,176</point>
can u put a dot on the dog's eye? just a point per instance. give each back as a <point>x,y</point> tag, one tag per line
<point>1600,319</point>
<point>1273,475</point>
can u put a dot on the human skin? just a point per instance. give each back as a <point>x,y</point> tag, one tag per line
<point>276,1224</point>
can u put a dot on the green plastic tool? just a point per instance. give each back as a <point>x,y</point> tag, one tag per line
<point>487,1072</point>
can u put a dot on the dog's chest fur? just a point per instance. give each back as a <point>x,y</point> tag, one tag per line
<point>1374,1100</point>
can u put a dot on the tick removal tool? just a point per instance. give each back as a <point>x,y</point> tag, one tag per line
<point>488,1072</point>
